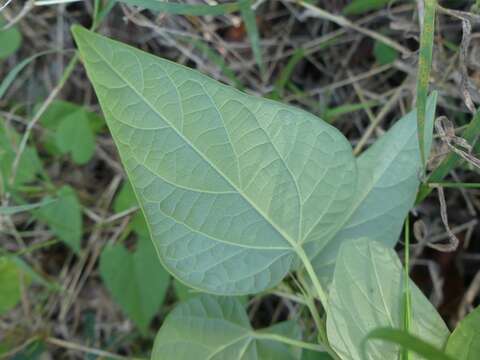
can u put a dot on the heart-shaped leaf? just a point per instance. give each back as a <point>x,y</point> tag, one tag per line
<point>388,181</point>
<point>233,186</point>
<point>464,343</point>
<point>367,293</point>
<point>64,217</point>
<point>75,136</point>
<point>207,327</point>
<point>137,281</point>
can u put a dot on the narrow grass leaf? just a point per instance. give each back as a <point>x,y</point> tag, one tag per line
<point>217,59</point>
<point>359,7</point>
<point>424,68</point>
<point>12,75</point>
<point>405,340</point>
<point>287,71</point>
<point>250,22</point>
<point>12,210</point>
<point>185,9</point>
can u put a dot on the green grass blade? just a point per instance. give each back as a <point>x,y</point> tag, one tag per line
<point>185,9</point>
<point>12,75</point>
<point>451,160</point>
<point>286,73</point>
<point>406,341</point>
<point>424,67</point>
<point>359,7</point>
<point>12,210</point>
<point>252,31</point>
<point>407,297</point>
<point>217,59</point>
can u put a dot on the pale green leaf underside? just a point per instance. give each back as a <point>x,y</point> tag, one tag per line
<point>464,343</point>
<point>367,293</point>
<point>388,179</point>
<point>230,184</point>
<point>214,328</point>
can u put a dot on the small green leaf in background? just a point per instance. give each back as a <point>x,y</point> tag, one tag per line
<point>359,7</point>
<point>209,327</point>
<point>136,280</point>
<point>10,284</point>
<point>464,343</point>
<point>63,116</point>
<point>250,21</point>
<point>366,293</point>
<point>10,40</point>
<point>124,200</point>
<point>75,136</point>
<point>384,54</point>
<point>386,170</point>
<point>29,165</point>
<point>64,217</point>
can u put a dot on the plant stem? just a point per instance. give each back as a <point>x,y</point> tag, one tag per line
<point>289,341</point>
<point>313,277</point>
<point>407,305</point>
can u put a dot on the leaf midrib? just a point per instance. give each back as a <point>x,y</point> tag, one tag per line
<point>293,243</point>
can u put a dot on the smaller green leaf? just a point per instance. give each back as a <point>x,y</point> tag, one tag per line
<point>366,293</point>
<point>54,117</point>
<point>137,281</point>
<point>209,327</point>
<point>124,200</point>
<point>64,217</point>
<point>408,341</point>
<point>29,165</point>
<point>359,7</point>
<point>75,136</point>
<point>10,284</point>
<point>464,343</point>
<point>10,40</point>
<point>384,54</point>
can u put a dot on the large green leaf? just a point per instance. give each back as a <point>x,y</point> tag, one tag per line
<point>232,186</point>
<point>388,180</point>
<point>208,327</point>
<point>464,343</point>
<point>366,293</point>
<point>137,281</point>
<point>64,217</point>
